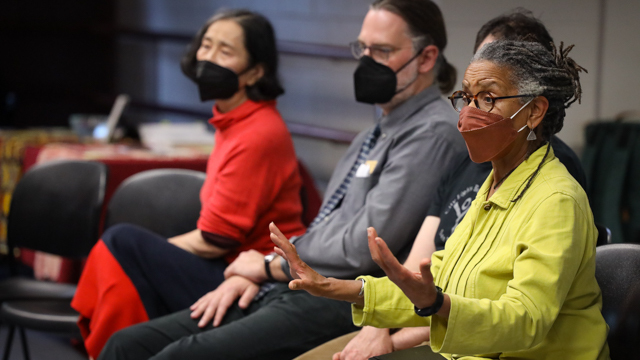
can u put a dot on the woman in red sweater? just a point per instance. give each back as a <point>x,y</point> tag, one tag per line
<point>133,275</point>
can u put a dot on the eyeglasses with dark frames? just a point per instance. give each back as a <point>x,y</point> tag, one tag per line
<point>483,100</point>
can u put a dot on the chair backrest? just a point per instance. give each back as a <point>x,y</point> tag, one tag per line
<point>604,235</point>
<point>56,207</point>
<point>165,201</point>
<point>618,274</point>
<point>311,200</point>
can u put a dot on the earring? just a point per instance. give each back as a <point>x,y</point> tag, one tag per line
<point>532,136</point>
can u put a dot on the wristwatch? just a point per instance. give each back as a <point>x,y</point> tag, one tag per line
<point>267,261</point>
<point>428,311</point>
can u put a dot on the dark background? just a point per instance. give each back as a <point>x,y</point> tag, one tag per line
<point>58,58</point>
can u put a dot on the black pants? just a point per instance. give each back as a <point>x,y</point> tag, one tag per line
<point>281,325</point>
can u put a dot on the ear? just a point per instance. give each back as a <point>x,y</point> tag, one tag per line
<point>539,107</point>
<point>427,59</point>
<point>255,74</point>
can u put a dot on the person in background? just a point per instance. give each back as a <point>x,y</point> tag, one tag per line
<point>520,24</point>
<point>455,193</point>
<point>516,279</point>
<point>387,177</point>
<point>133,275</point>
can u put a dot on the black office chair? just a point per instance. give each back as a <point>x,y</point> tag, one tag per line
<point>604,235</point>
<point>165,201</point>
<point>55,208</point>
<point>618,274</point>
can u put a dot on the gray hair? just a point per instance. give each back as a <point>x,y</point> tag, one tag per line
<point>535,70</point>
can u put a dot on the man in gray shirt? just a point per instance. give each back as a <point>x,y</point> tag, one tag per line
<point>386,179</point>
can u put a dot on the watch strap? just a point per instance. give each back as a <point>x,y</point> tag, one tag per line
<point>428,311</point>
<point>267,269</point>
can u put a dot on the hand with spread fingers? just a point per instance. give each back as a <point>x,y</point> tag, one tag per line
<point>305,278</point>
<point>419,287</point>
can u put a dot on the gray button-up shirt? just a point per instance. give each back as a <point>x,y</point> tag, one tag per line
<point>416,146</point>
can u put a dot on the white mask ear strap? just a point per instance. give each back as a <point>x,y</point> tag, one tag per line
<point>523,106</point>
<point>522,128</point>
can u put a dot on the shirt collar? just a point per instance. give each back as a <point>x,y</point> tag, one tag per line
<point>408,108</point>
<point>222,121</point>
<point>516,182</point>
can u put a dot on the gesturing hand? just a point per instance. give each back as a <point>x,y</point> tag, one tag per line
<point>214,305</point>
<point>418,287</point>
<point>305,277</point>
<point>308,279</point>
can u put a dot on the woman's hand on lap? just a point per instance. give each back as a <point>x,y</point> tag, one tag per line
<point>369,342</point>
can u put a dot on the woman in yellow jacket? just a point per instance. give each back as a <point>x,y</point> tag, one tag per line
<point>516,280</point>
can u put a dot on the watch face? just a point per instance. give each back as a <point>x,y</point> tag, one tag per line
<point>269,257</point>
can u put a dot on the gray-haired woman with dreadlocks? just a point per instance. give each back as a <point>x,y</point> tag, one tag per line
<point>517,277</point>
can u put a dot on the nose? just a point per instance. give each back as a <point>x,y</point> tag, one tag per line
<point>204,54</point>
<point>366,51</point>
<point>473,102</point>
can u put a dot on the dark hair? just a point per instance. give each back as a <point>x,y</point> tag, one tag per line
<point>535,70</point>
<point>518,24</point>
<point>260,42</point>
<point>427,27</point>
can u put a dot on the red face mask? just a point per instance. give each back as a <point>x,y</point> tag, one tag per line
<point>486,134</point>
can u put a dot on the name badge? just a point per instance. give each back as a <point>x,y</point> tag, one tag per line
<point>366,168</point>
<point>363,170</point>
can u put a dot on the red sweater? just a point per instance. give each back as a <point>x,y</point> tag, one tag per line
<point>252,179</point>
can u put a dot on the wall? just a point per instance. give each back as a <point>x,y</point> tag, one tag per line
<point>320,91</point>
<point>574,22</point>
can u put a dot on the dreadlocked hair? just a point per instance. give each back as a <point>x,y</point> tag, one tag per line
<point>536,70</point>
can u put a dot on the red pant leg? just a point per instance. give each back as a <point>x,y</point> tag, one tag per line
<point>106,299</point>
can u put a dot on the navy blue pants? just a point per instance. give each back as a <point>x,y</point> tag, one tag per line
<point>167,278</point>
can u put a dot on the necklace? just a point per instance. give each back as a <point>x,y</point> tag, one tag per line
<point>509,173</point>
<point>503,178</point>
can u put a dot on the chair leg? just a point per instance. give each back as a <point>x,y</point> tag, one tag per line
<point>25,347</point>
<point>7,347</point>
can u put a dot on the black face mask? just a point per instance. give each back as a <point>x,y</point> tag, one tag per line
<point>216,82</point>
<point>376,83</point>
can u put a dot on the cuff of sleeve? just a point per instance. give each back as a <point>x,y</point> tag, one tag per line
<point>360,314</point>
<point>386,306</point>
<point>440,337</point>
<point>284,265</point>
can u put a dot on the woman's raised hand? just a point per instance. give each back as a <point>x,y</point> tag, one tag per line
<point>305,278</point>
<point>418,287</point>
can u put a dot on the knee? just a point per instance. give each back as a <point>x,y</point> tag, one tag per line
<point>186,348</point>
<point>121,345</point>
<point>124,235</point>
